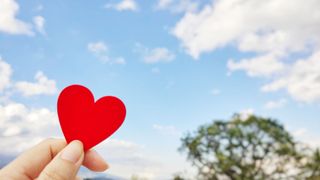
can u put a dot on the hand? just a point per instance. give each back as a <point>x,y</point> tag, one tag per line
<point>53,159</point>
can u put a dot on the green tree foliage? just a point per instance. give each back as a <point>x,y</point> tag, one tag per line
<point>254,148</point>
<point>312,167</point>
<point>178,177</point>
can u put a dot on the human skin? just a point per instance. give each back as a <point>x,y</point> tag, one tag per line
<point>53,159</point>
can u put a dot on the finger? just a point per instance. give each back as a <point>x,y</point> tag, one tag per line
<point>32,162</point>
<point>93,161</point>
<point>66,164</point>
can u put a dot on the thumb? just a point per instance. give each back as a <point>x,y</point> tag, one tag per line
<point>66,164</point>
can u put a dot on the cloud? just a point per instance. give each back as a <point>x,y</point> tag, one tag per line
<point>302,81</point>
<point>307,137</point>
<point>299,132</point>
<point>262,26</point>
<point>101,51</point>
<point>22,127</point>
<point>155,55</point>
<point>42,86</point>
<point>97,47</point>
<point>268,32</point>
<point>167,130</point>
<point>124,5</point>
<point>177,6</point>
<point>8,21</point>
<point>276,104</point>
<point>5,74</point>
<point>39,22</point>
<point>164,3</point>
<point>128,158</point>
<point>265,66</point>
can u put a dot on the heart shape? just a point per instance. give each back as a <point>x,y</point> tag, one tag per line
<point>83,119</point>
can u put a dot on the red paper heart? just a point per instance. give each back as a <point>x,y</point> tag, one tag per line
<point>83,119</point>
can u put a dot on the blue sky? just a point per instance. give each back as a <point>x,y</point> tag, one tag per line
<point>176,64</point>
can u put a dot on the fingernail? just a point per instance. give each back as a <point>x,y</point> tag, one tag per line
<point>72,152</point>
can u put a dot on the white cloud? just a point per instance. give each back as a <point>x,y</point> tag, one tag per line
<point>39,23</point>
<point>124,5</point>
<point>265,66</point>
<point>177,6</point>
<point>276,104</point>
<point>5,74</point>
<point>22,127</point>
<point>307,137</point>
<point>251,26</point>
<point>302,81</point>
<point>101,51</point>
<point>167,130</point>
<point>159,54</point>
<point>8,21</point>
<point>97,47</point>
<point>299,132</point>
<point>266,29</point>
<point>155,55</point>
<point>42,86</point>
<point>164,3</point>
<point>128,158</point>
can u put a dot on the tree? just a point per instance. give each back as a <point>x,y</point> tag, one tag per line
<point>312,167</point>
<point>254,148</point>
<point>178,177</point>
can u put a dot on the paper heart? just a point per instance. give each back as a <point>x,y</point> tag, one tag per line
<point>83,119</point>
